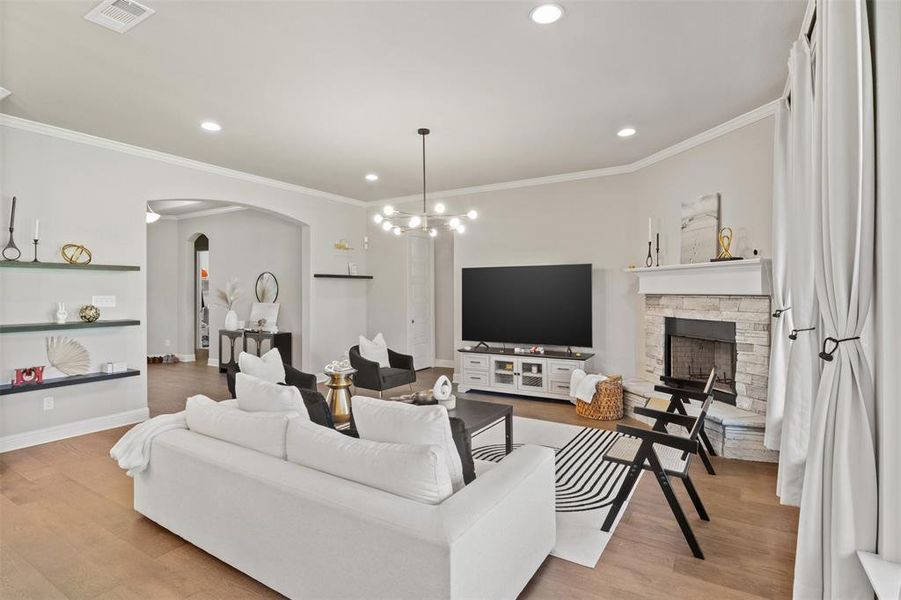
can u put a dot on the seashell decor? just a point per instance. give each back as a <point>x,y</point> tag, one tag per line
<point>67,355</point>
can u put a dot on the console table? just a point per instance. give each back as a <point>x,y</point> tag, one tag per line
<point>280,340</point>
<point>500,370</point>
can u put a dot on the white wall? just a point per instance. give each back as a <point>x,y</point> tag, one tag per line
<point>444,299</point>
<point>243,244</point>
<point>162,288</point>
<point>603,221</point>
<point>89,193</point>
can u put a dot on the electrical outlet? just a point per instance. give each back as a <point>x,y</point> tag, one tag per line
<point>48,403</point>
<point>104,301</point>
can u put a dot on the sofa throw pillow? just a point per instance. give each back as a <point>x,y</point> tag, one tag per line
<point>411,471</point>
<point>256,395</point>
<point>401,423</point>
<point>375,350</point>
<point>260,431</point>
<point>268,367</point>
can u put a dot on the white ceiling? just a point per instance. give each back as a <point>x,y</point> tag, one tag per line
<point>320,93</point>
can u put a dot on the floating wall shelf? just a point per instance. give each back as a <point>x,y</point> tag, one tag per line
<point>6,388</point>
<point>51,326</point>
<point>337,276</point>
<point>17,264</point>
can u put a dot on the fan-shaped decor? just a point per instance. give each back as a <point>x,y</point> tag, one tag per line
<point>67,355</point>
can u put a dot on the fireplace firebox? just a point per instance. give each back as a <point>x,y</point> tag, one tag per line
<point>693,346</point>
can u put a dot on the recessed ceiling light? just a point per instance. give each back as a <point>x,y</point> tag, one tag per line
<point>545,14</point>
<point>626,132</point>
<point>371,177</point>
<point>211,126</point>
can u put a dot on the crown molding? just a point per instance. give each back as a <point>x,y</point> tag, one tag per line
<point>99,142</point>
<point>702,138</point>
<point>737,123</point>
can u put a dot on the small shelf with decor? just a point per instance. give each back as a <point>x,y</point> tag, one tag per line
<point>21,264</point>
<point>52,326</point>
<point>7,388</point>
<point>340,276</point>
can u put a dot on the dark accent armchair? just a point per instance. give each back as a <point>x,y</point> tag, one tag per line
<point>372,377</point>
<point>316,405</point>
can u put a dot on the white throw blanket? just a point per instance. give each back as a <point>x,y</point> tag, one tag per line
<point>582,385</point>
<point>132,452</point>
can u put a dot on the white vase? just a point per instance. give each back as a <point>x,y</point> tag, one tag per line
<point>231,320</point>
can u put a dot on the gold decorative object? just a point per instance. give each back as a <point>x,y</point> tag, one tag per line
<point>725,243</point>
<point>89,313</point>
<point>76,254</point>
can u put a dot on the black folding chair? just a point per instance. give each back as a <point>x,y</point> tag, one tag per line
<point>665,454</point>
<point>682,392</point>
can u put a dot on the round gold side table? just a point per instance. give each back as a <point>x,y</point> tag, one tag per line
<point>338,396</point>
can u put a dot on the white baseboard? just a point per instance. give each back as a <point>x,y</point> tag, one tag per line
<point>185,357</point>
<point>61,432</point>
<point>212,361</point>
<point>444,363</point>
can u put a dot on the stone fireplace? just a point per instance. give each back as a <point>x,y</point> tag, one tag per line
<point>709,322</point>
<point>699,316</point>
<point>692,347</point>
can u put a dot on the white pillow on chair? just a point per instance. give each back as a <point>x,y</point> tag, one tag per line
<point>401,423</point>
<point>375,350</point>
<point>256,395</point>
<point>268,367</point>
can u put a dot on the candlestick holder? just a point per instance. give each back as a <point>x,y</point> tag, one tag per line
<point>649,261</point>
<point>35,251</point>
<point>658,250</point>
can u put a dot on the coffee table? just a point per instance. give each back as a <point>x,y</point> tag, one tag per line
<point>479,416</point>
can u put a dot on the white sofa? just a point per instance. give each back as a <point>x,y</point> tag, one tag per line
<point>308,534</point>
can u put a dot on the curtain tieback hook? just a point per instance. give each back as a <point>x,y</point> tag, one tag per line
<point>828,355</point>
<point>794,332</point>
<point>778,312</point>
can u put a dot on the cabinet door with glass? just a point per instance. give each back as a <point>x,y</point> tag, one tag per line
<point>532,374</point>
<point>503,373</point>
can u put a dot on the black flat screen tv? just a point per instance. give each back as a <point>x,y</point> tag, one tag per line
<point>543,305</point>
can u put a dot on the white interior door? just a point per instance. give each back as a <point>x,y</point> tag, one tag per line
<point>420,301</point>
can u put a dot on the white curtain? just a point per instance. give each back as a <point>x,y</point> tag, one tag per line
<point>803,367</point>
<point>782,319</point>
<point>886,19</point>
<point>839,503</point>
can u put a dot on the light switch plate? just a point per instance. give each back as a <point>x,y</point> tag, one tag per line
<point>104,301</point>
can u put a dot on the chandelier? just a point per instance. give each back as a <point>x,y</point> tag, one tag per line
<point>399,222</point>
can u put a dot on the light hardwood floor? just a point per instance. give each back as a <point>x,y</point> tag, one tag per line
<point>67,528</point>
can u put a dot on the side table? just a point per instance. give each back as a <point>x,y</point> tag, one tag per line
<point>338,396</point>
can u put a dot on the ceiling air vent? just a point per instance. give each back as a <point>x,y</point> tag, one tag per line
<point>119,15</point>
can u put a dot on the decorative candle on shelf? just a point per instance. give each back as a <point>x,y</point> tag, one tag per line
<point>37,224</point>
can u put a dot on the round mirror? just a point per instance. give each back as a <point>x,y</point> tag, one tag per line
<point>267,287</point>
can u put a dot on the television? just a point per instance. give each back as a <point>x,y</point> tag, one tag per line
<point>544,305</point>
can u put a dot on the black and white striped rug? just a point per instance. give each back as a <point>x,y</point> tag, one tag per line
<point>586,484</point>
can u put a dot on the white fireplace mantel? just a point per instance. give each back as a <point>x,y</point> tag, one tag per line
<point>749,277</point>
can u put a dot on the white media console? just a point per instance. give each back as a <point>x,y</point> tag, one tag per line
<point>498,370</point>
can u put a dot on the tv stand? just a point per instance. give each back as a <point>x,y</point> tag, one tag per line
<point>480,344</point>
<point>503,370</point>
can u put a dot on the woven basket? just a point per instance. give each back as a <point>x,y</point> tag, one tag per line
<point>607,402</point>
